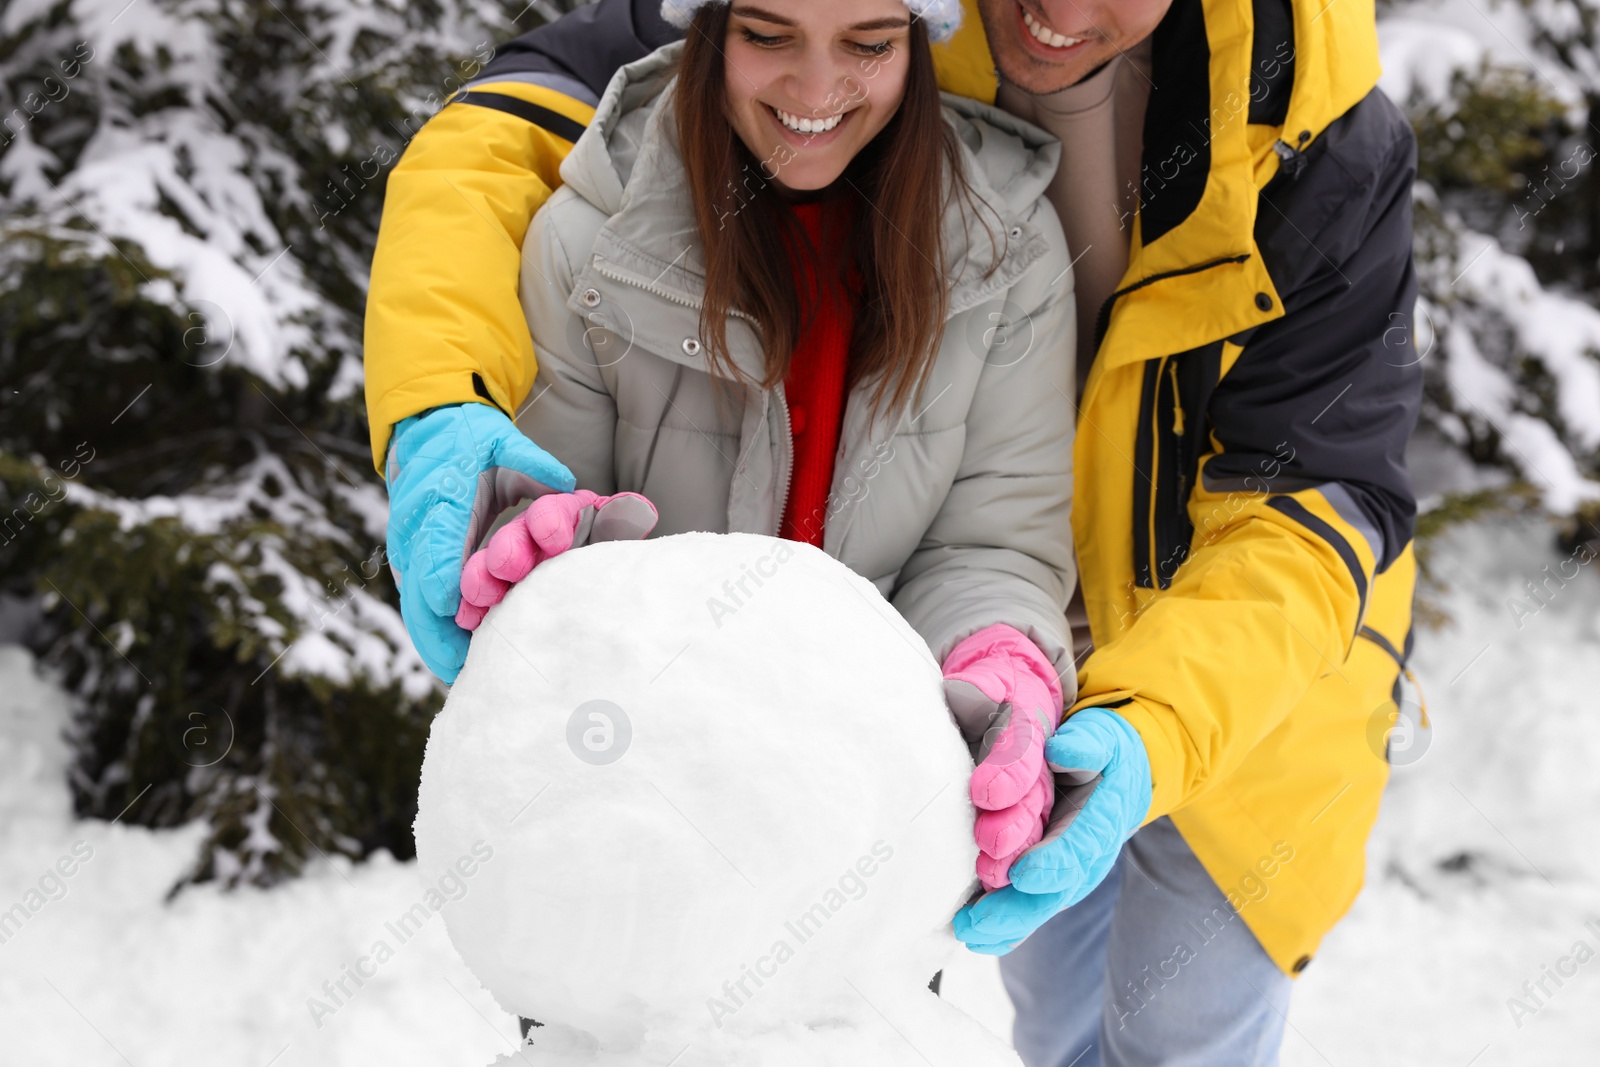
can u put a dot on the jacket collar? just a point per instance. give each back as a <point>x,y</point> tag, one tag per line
<point>1194,274</point>
<point>646,268</point>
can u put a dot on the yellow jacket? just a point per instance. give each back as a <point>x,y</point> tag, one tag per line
<point>1242,514</point>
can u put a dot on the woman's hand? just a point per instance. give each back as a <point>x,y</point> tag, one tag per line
<point>550,526</point>
<point>1006,697</point>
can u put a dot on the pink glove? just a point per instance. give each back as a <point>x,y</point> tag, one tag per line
<point>1006,697</point>
<point>550,526</point>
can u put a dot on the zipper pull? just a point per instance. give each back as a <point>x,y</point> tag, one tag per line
<point>1292,159</point>
<point>1177,401</point>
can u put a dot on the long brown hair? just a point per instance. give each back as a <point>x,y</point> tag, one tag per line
<point>897,248</point>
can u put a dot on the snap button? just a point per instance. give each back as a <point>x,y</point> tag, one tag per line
<point>691,347</point>
<point>1263,301</point>
<point>591,298</point>
<point>1301,964</point>
<point>1016,232</point>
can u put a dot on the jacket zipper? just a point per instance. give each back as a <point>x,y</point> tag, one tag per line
<point>666,294</point>
<point>1158,459</point>
<point>1167,539</point>
<point>1180,460</point>
<point>1146,462</point>
<point>1177,401</point>
<point>649,287</point>
<point>788,467</point>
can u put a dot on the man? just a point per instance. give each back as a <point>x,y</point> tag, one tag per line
<point>1237,193</point>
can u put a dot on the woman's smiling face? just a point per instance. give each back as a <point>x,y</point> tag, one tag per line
<point>811,82</point>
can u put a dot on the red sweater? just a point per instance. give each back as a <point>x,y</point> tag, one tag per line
<point>815,385</point>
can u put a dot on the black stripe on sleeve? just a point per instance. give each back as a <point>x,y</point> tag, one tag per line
<point>1297,511</point>
<point>588,44</point>
<point>542,117</point>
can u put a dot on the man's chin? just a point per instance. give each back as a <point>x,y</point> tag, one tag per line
<point>1040,77</point>
<point>1021,65</point>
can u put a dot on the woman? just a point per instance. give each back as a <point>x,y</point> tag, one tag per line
<point>784,291</point>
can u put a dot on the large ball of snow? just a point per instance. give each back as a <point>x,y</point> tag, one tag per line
<point>723,804</point>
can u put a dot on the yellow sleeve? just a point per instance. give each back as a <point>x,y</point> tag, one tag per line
<point>1277,580</point>
<point>442,308</point>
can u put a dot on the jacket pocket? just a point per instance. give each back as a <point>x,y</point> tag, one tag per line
<point>1172,436</point>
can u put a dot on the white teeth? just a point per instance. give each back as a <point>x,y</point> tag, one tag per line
<point>1045,35</point>
<point>806,125</point>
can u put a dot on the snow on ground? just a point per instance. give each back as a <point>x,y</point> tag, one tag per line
<point>1484,876</point>
<point>103,972</point>
<point>1484,869</point>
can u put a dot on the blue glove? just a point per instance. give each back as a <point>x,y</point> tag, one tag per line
<point>1103,793</point>
<point>451,472</point>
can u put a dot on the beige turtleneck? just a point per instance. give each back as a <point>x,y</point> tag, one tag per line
<point>1100,123</point>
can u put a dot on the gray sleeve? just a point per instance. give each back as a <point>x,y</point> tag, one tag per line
<point>1000,548</point>
<point>571,413</point>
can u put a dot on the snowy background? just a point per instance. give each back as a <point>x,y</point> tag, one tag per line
<point>210,714</point>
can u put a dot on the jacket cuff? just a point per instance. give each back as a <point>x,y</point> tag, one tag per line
<point>1163,746</point>
<point>1003,641</point>
<point>415,396</point>
<point>1054,644</point>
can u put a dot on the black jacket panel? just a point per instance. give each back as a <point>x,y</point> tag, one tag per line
<point>1336,379</point>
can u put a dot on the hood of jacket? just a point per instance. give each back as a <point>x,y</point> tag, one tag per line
<point>628,166</point>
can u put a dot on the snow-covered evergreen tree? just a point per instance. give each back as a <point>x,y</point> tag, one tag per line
<point>1505,98</point>
<point>189,194</point>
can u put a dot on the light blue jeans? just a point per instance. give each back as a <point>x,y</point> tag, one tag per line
<point>1153,967</point>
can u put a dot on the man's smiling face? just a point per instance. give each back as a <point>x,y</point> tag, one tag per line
<point>1043,46</point>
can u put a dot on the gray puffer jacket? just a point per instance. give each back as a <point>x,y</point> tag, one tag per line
<point>958,509</point>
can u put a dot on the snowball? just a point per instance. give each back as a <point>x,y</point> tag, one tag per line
<point>713,807</point>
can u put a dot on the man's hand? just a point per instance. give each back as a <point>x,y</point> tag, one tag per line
<point>1104,776</point>
<point>451,472</point>
<point>1006,698</point>
<point>551,525</point>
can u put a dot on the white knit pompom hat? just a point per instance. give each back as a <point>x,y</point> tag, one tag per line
<point>943,17</point>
